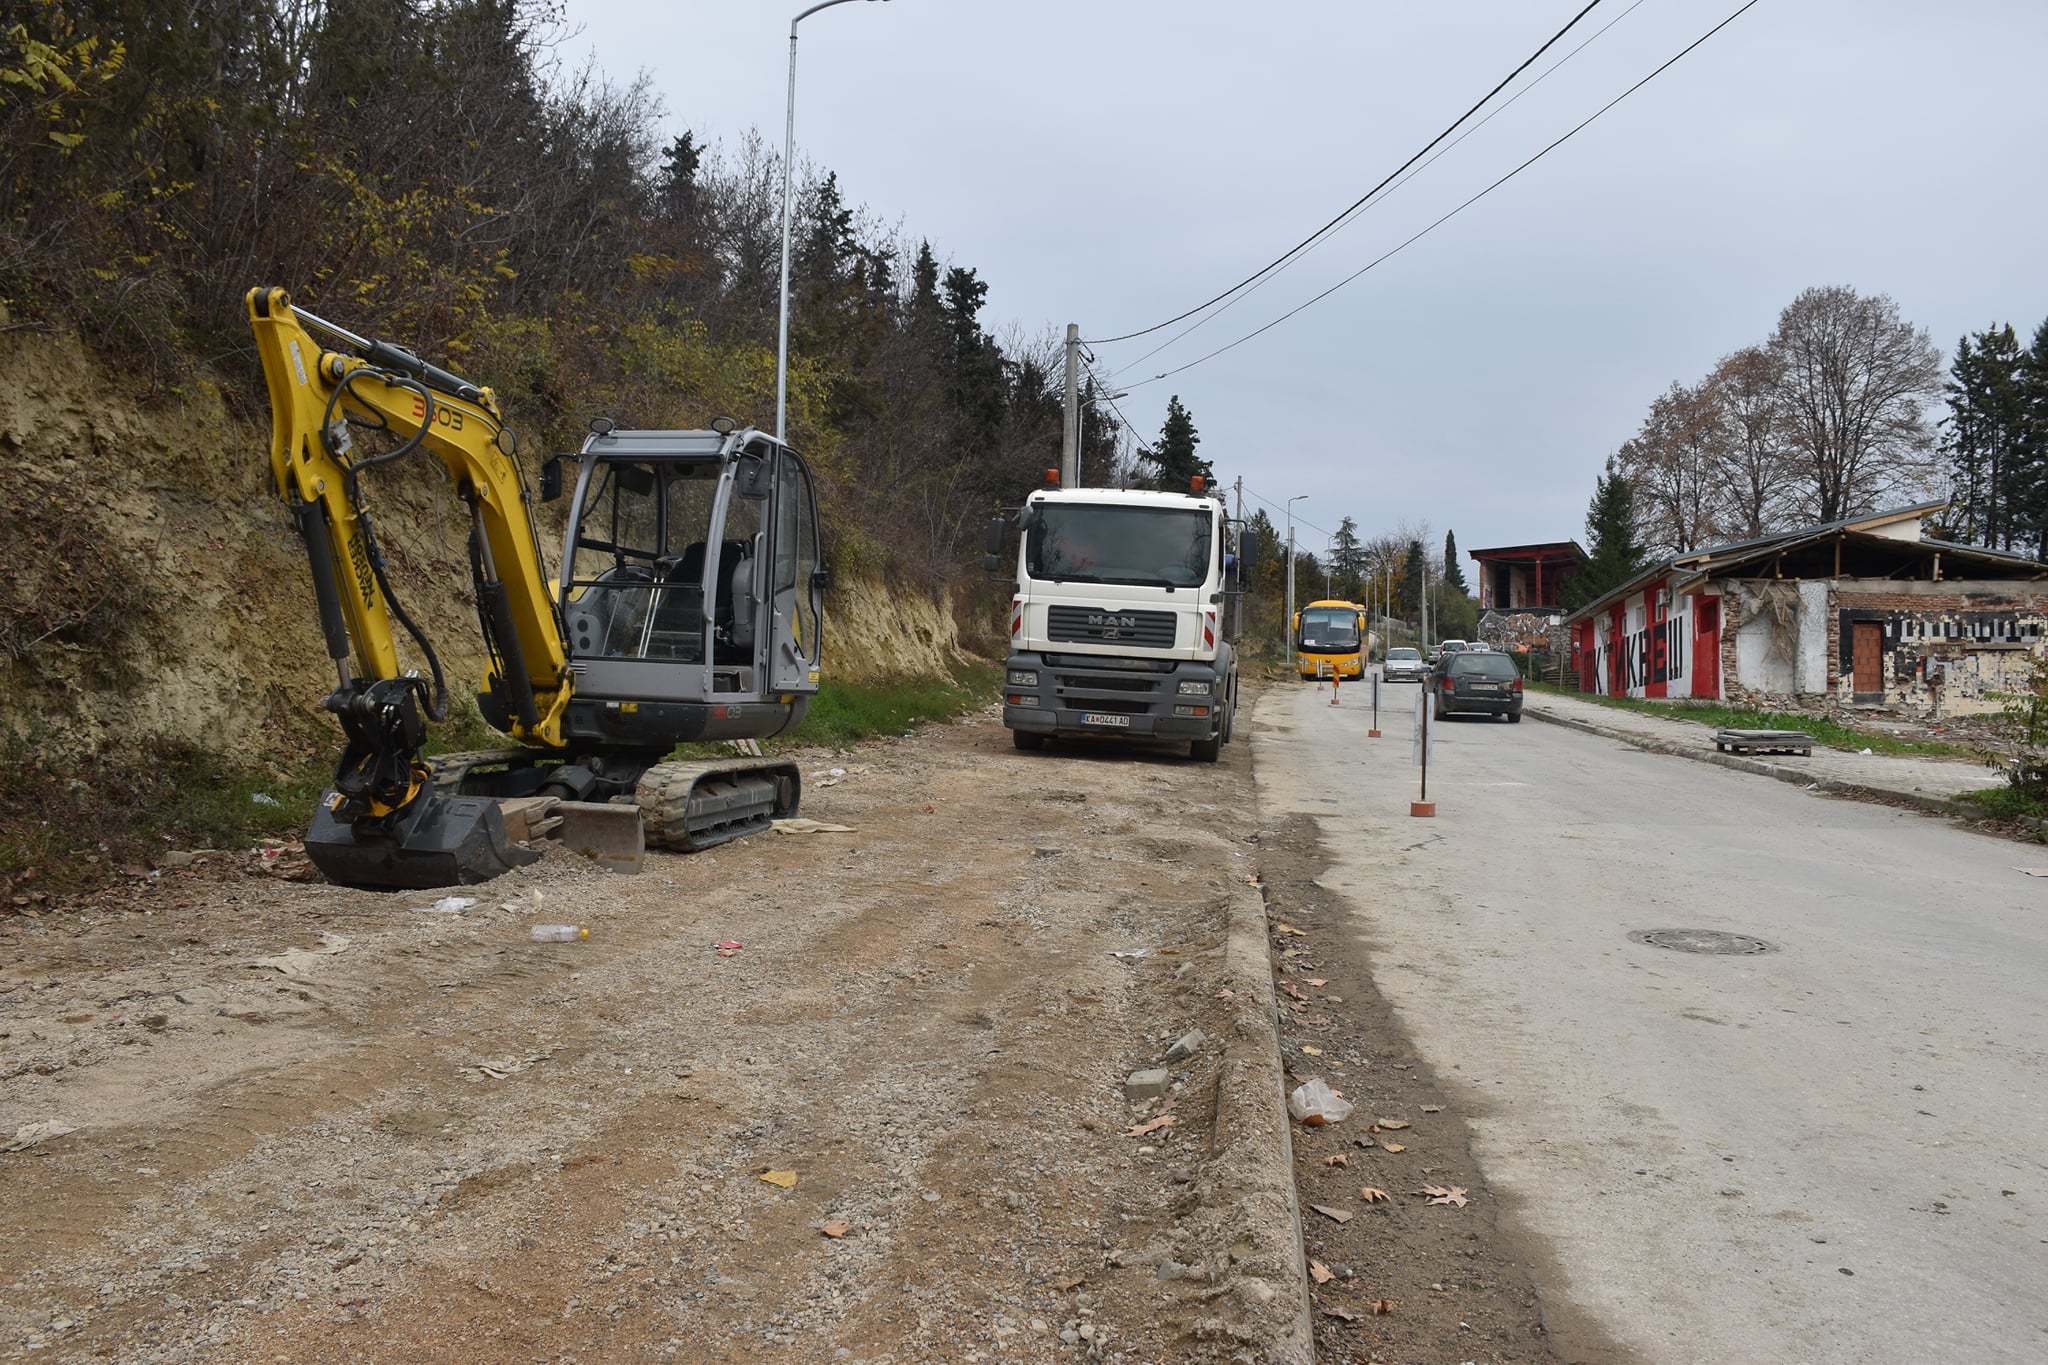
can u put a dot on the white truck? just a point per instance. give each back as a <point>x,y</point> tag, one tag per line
<point>1118,618</point>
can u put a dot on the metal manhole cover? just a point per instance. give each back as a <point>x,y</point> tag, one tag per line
<point>1701,941</point>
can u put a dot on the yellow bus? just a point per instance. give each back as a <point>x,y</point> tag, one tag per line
<point>1331,640</point>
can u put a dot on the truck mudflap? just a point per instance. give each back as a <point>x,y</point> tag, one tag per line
<point>436,841</point>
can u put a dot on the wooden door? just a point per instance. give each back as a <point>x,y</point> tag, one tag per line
<point>1868,656</point>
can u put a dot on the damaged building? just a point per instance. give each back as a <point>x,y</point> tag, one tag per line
<point>1865,613</point>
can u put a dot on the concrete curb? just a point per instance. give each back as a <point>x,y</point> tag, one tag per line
<point>1937,805</point>
<point>1251,1127</point>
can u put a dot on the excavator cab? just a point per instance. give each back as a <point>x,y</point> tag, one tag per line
<point>691,587</point>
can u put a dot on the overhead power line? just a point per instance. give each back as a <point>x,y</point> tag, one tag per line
<point>1381,198</point>
<point>1338,221</point>
<point>1394,251</point>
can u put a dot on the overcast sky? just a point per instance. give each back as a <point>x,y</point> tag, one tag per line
<point>1115,162</point>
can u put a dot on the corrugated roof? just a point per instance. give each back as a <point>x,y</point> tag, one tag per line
<point>1719,560</point>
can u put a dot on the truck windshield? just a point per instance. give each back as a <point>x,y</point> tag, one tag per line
<point>1329,628</point>
<point>1160,547</point>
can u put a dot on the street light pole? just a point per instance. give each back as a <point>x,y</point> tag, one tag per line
<point>1289,623</point>
<point>788,155</point>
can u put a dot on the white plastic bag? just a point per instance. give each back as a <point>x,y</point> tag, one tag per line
<point>1315,1104</point>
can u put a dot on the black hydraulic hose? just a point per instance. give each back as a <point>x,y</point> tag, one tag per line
<point>313,530</point>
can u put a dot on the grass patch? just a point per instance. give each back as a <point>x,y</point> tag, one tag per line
<point>2008,803</point>
<point>844,713</point>
<point>1831,733</point>
<point>70,830</point>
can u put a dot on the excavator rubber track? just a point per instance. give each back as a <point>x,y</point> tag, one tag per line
<point>687,807</point>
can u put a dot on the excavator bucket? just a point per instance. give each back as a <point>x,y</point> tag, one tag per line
<point>436,841</point>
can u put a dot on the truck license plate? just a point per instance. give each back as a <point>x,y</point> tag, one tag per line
<point>1098,718</point>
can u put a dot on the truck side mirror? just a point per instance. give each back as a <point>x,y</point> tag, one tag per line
<point>992,565</point>
<point>994,545</point>
<point>821,579</point>
<point>551,480</point>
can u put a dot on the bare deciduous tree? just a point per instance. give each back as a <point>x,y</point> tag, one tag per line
<point>1677,463</point>
<point>1857,381</point>
<point>1755,476</point>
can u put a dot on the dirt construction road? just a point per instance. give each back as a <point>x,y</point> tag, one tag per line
<point>308,1123</point>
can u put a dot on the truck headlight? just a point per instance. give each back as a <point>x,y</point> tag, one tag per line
<point>1191,688</point>
<point>1023,677</point>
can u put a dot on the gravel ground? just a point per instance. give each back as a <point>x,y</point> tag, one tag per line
<point>319,1124</point>
<point>260,1118</point>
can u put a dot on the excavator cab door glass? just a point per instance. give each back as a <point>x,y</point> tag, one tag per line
<point>799,591</point>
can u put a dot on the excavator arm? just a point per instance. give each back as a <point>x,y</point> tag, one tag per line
<point>318,395</point>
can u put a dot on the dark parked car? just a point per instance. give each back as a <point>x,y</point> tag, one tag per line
<point>1403,664</point>
<point>1481,682</point>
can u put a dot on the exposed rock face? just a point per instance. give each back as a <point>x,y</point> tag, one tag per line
<point>156,589</point>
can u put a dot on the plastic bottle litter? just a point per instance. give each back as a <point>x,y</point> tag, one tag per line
<point>559,933</point>
<point>1315,1104</point>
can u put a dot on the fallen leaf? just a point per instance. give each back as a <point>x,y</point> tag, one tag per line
<point>1341,1314</point>
<point>1062,1286</point>
<point>1432,1109</point>
<point>1439,1195</point>
<point>1287,988</point>
<point>1151,1126</point>
<point>1382,1307</point>
<point>785,1179</point>
<point>1392,1147</point>
<point>1317,982</point>
<point>1320,1272</point>
<point>835,1229</point>
<point>1338,1160</point>
<point>1340,1215</point>
<point>1393,1124</point>
<point>1290,929</point>
<point>1311,1051</point>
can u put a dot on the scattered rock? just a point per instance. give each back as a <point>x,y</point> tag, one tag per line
<point>1185,1046</point>
<point>1146,1085</point>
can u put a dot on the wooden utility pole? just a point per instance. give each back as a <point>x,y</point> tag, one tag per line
<point>1070,432</point>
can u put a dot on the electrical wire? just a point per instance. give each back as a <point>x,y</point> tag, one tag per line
<point>1358,210</point>
<point>1396,250</point>
<point>1338,221</point>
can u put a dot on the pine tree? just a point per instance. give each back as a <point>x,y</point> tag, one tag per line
<point>1174,452</point>
<point>1347,561</point>
<point>1408,595</point>
<point>1454,573</point>
<point>1617,554</point>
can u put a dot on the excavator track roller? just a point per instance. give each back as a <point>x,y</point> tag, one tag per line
<point>688,807</point>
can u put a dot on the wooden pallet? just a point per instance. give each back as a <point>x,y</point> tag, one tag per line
<point>1763,742</point>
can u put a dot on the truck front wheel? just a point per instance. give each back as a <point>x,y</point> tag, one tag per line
<point>1206,750</point>
<point>1027,740</point>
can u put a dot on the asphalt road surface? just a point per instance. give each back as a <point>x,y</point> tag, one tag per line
<point>1832,1150</point>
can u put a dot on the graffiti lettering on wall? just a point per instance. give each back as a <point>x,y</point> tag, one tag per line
<point>1654,654</point>
<point>1973,628</point>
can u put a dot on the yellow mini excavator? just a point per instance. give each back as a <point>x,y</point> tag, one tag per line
<point>688,607</point>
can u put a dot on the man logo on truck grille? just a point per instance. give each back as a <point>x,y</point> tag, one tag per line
<point>1095,620</point>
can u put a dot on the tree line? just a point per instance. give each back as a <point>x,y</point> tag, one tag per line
<point>428,171</point>
<point>1833,415</point>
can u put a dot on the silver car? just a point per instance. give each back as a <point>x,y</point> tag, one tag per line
<point>1403,664</point>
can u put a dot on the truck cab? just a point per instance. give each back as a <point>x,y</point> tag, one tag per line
<point>1118,619</point>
